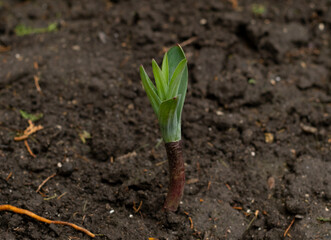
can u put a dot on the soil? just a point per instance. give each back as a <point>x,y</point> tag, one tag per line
<point>256,122</point>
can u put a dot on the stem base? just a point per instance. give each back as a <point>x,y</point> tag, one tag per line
<point>176,175</point>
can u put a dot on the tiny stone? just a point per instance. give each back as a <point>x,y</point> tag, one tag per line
<point>219,113</point>
<point>112,211</point>
<point>271,182</point>
<point>130,216</point>
<point>76,48</point>
<point>269,137</point>
<point>203,21</point>
<point>18,57</point>
<point>102,36</point>
<point>321,26</point>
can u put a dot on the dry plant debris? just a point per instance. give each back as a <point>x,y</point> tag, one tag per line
<point>41,219</point>
<point>28,131</point>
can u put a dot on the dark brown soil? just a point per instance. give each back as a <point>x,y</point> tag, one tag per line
<point>256,122</point>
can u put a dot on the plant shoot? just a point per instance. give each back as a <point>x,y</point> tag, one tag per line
<point>167,98</point>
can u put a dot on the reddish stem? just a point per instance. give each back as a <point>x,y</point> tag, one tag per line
<point>177,175</point>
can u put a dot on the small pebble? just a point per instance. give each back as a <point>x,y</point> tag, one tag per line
<point>219,113</point>
<point>112,211</point>
<point>102,36</point>
<point>269,137</point>
<point>18,57</point>
<point>321,26</point>
<point>203,21</point>
<point>76,48</point>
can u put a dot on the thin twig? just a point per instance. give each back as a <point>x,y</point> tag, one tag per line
<point>61,195</point>
<point>182,44</point>
<point>45,181</point>
<point>41,219</point>
<point>9,176</point>
<point>209,184</point>
<point>234,3</point>
<point>137,209</point>
<point>128,155</point>
<point>28,148</point>
<point>289,227</point>
<point>191,222</point>
<point>188,41</point>
<point>36,83</point>
<point>28,131</point>
<point>161,163</point>
<point>237,208</point>
<point>253,219</point>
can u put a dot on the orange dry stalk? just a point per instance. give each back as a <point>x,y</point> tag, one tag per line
<point>41,219</point>
<point>28,148</point>
<point>28,131</point>
<point>289,227</point>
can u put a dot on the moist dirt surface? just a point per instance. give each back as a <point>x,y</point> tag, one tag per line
<point>256,122</point>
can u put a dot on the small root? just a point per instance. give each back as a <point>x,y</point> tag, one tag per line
<point>41,219</point>
<point>289,227</point>
<point>28,148</point>
<point>45,181</point>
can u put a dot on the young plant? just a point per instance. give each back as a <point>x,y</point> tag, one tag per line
<point>167,99</point>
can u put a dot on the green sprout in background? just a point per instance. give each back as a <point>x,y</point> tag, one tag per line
<point>167,98</point>
<point>258,9</point>
<point>32,117</point>
<point>22,30</point>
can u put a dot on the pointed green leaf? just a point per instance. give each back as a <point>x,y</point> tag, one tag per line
<point>176,79</point>
<point>150,90</point>
<point>165,68</point>
<point>160,81</point>
<point>32,117</point>
<point>175,55</point>
<point>168,120</point>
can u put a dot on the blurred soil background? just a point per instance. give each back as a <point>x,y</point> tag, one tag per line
<point>256,122</point>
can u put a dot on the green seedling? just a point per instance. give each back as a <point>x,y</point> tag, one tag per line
<point>167,98</point>
<point>22,30</point>
<point>258,9</point>
<point>252,81</point>
<point>324,219</point>
<point>32,117</point>
<point>84,135</point>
